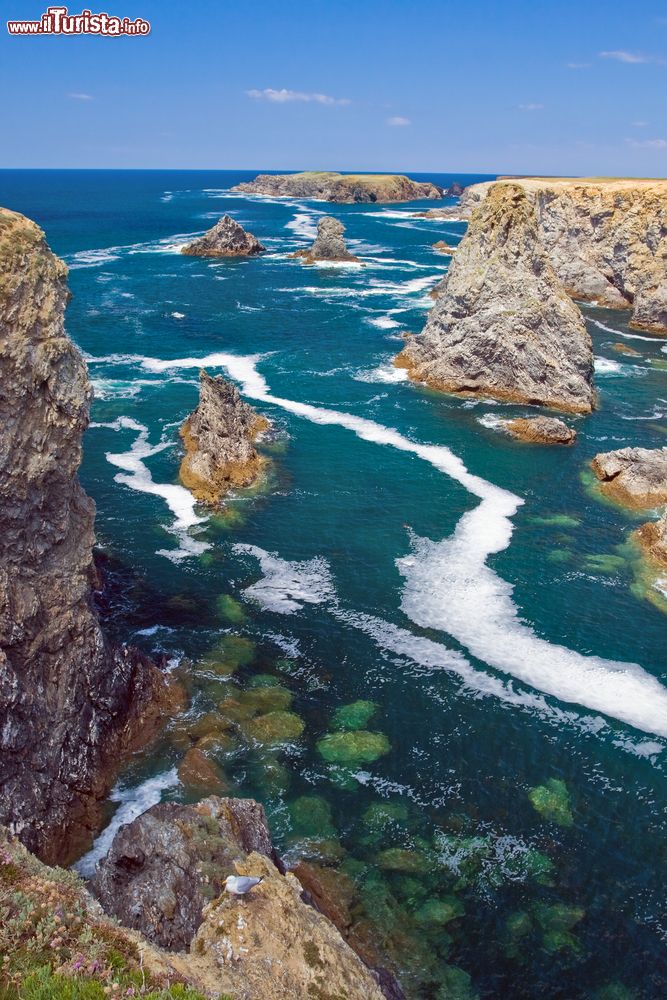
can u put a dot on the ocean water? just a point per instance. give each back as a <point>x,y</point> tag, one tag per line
<point>508,822</point>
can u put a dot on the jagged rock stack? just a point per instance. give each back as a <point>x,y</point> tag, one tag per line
<point>503,326</point>
<point>329,243</point>
<point>218,438</point>
<point>225,239</point>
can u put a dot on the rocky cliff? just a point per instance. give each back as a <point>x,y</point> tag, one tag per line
<point>165,875</point>
<point>218,438</point>
<point>607,239</point>
<point>70,705</point>
<point>329,244</point>
<point>225,239</point>
<point>330,186</point>
<point>503,326</point>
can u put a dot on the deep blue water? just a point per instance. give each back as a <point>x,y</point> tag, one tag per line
<point>368,567</point>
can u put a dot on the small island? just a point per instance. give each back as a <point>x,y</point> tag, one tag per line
<point>225,239</point>
<point>329,244</point>
<point>343,188</point>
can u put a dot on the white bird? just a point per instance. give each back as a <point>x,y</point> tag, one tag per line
<point>239,885</point>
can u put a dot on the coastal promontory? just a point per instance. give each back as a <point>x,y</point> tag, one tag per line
<point>502,325</point>
<point>330,186</point>
<point>218,437</point>
<point>227,238</point>
<point>71,705</point>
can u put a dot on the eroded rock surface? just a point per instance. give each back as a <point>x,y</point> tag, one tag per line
<point>329,244</point>
<point>218,437</point>
<point>635,477</point>
<point>331,186</point>
<point>540,430</point>
<point>164,877</point>
<point>70,705</point>
<point>225,239</point>
<point>502,325</point>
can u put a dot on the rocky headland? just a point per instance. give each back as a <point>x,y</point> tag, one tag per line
<point>329,243</point>
<point>540,430</point>
<point>71,706</point>
<point>218,437</point>
<point>503,325</point>
<point>342,188</point>
<point>637,478</point>
<point>606,239</point>
<point>225,239</point>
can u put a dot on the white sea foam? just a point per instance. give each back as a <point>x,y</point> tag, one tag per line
<point>449,587</point>
<point>133,802</point>
<point>287,586</point>
<point>383,322</point>
<point>304,224</point>
<point>605,366</point>
<point>177,315</point>
<point>620,333</point>
<point>386,373</point>
<point>136,475</point>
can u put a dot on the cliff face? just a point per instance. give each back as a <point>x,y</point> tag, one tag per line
<point>225,239</point>
<point>218,438</point>
<point>502,325</point>
<point>330,186</point>
<point>165,874</point>
<point>68,702</point>
<point>606,239</point>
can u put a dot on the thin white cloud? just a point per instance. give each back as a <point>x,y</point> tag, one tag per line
<point>578,65</point>
<point>283,96</point>
<point>531,107</point>
<point>398,120</point>
<point>81,97</point>
<point>647,143</point>
<point>639,124</point>
<point>620,55</point>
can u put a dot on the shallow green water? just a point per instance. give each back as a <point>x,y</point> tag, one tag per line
<point>511,822</point>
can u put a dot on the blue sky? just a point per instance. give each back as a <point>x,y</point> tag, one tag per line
<point>576,88</point>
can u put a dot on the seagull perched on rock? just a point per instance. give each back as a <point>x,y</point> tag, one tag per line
<point>239,885</point>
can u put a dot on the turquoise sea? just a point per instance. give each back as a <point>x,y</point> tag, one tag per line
<point>505,834</point>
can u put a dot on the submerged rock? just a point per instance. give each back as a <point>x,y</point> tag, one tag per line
<point>540,430</point>
<point>552,800</point>
<point>329,244</point>
<point>635,477</point>
<point>218,437</point>
<point>503,326</point>
<point>331,186</point>
<point>356,715</point>
<point>356,747</point>
<point>225,239</point>
<point>71,705</point>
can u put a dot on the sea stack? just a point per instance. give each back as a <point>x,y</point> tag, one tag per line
<point>329,243</point>
<point>218,437</point>
<point>502,325</point>
<point>225,239</point>
<point>71,705</point>
<point>343,188</point>
<point>540,430</point>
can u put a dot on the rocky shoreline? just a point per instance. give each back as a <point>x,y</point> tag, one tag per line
<point>341,188</point>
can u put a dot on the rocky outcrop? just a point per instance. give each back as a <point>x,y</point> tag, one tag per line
<point>218,437</point>
<point>444,247</point>
<point>329,244</point>
<point>540,430</point>
<point>330,186</point>
<point>70,705</point>
<point>454,190</point>
<point>503,326</point>
<point>471,198</point>
<point>653,539</point>
<point>164,876</point>
<point>225,239</point>
<point>607,240</point>
<point>634,477</point>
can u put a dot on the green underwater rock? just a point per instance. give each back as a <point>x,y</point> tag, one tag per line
<point>230,610</point>
<point>343,777</point>
<point>455,985</point>
<point>311,814</point>
<point>603,562</point>
<point>557,922</point>
<point>402,859</point>
<point>263,680</point>
<point>230,653</point>
<point>273,728</point>
<point>559,555</point>
<point>556,521</point>
<point>552,800</point>
<point>354,747</point>
<point>356,715</point>
<point>439,911</point>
